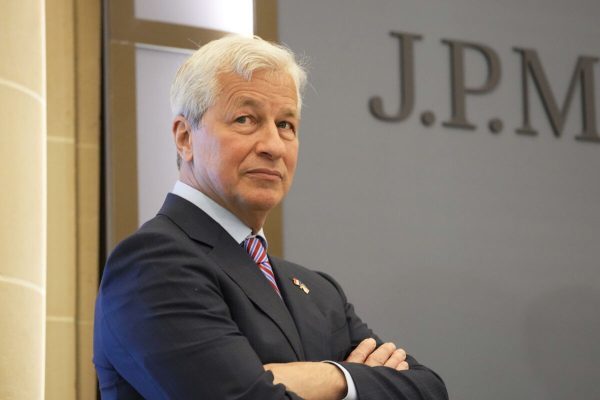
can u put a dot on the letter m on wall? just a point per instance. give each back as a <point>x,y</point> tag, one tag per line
<point>584,73</point>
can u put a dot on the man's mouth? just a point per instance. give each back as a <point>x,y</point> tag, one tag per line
<point>265,173</point>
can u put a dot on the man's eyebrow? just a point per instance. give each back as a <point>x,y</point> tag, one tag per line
<point>251,102</point>
<point>290,112</point>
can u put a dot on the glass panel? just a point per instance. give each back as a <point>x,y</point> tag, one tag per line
<point>224,15</point>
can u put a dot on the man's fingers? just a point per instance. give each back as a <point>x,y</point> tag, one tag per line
<point>386,355</point>
<point>403,366</point>
<point>381,355</point>
<point>362,351</point>
<point>395,359</point>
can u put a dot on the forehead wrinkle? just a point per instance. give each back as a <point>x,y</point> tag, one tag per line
<point>244,101</point>
<point>234,95</point>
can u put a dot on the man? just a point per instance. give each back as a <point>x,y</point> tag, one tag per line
<point>191,306</point>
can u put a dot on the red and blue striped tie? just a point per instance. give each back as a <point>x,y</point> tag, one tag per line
<point>255,247</point>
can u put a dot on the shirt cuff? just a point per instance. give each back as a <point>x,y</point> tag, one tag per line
<point>351,393</point>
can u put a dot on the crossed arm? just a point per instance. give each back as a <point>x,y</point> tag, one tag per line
<point>324,381</point>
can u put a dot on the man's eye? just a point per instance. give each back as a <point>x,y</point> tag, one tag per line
<point>243,119</point>
<point>285,125</point>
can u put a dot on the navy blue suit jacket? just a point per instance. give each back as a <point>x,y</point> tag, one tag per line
<point>184,313</point>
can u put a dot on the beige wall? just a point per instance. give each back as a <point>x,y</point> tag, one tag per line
<point>49,156</point>
<point>73,70</point>
<point>60,311</point>
<point>88,104</point>
<point>23,210</point>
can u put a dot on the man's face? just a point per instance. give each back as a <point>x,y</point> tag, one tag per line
<point>246,147</point>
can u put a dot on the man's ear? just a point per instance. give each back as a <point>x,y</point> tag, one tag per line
<point>182,134</point>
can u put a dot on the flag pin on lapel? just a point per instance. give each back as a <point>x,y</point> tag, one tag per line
<point>301,285</point>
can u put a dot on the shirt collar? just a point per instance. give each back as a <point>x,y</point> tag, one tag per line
<point>232,224</point>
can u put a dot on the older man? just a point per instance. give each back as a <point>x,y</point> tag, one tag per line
<point>191,306</point>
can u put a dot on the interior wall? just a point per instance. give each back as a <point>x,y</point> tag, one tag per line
<point>73,118</point>
<point>23,211</point>
<point>61,342</point>
<point>476,251</point>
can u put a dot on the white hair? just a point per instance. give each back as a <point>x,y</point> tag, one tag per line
<point>195,86</point>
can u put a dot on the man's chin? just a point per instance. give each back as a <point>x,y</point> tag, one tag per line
<point>263,202</point>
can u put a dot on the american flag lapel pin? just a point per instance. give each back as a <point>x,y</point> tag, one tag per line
<point>301,285</point>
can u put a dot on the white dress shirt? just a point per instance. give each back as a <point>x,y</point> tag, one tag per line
<point>239,232</point>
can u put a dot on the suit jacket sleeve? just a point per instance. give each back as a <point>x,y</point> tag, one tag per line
<point>381,383</point>
<point>164,331</point>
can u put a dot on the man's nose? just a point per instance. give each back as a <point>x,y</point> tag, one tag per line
<point>270,143</point>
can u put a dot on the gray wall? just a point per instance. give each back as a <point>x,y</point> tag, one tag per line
<point>477,252</point>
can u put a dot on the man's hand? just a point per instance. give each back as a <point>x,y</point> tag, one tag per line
<point>323,381</point>
<point>310,380</point>
<point>386,355</point>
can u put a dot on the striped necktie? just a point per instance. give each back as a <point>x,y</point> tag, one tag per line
<point>255,247</point>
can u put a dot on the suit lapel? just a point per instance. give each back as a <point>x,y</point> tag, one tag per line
<point>235,262</point>
<point>310,322</point>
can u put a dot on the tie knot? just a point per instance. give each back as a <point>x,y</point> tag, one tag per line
<point>255,247</point>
